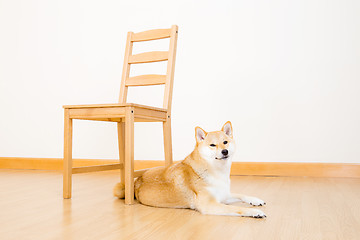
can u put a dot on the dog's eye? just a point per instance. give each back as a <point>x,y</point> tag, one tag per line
<point>225,142</point>
<point>212,145</point>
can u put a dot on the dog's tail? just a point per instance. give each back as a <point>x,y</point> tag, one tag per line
<point>119,190</point>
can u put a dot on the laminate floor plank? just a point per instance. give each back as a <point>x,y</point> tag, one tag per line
<point>32,207</point>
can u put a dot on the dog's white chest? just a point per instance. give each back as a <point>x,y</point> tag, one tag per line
<point>219,188</point>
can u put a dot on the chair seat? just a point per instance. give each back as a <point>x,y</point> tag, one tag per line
<point>115,112</point>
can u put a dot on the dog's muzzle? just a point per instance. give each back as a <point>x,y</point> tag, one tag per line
<point>225,154</point>
<point>222,158</point>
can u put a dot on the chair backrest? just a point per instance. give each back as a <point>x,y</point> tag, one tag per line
<point>148,57</point>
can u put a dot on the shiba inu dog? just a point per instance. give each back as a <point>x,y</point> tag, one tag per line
<point>201,181</point>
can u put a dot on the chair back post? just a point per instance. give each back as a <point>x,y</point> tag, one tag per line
<point>170,70</point>
<point>126,68</point>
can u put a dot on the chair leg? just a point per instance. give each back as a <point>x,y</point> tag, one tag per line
<point>121,141</point>
<point>67,171</point>
<point>167,142</point>
<point>129,156</point>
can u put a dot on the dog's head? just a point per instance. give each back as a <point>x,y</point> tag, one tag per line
<point>216,146</point>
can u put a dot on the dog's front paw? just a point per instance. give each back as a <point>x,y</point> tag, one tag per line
<point>254,201</point>
<point>252,212</point>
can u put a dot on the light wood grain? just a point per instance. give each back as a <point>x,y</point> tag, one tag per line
<point>93,113</point>
<point>148,57</point>
<point>111,105</point>
<point>167,142</point>
<point>116,113</point>
<point>150,114</point>
<point>126,68</point>
<point>296,169</point>
<point>151,35</point>
<point>124,112</point>
<point>121,144</point>
<point>170,69</point>
<point>335,170</point>
<point>168,96</point>
<point>67,170</point>
<point>297,208</point>
<point>129,156</point>
<point>146,80</point>
<point>57,163</point>
<point>98,168</point>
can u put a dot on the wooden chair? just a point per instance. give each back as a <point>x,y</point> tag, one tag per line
<point>125,114</point>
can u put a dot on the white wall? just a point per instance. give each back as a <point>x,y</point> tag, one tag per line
<point>286,73</point>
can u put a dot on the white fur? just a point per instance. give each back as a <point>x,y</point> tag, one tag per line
<point>228,129</point>
<point>252,200</point>
<point>200,134</point>
<point>219,187</point>
<point>208,154</point>
<point>253,212</point>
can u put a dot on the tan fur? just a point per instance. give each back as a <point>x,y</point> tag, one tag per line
<point>201,181</point>
<point>119,190</point>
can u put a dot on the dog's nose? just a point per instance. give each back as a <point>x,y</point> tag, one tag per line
<point>225,152</point>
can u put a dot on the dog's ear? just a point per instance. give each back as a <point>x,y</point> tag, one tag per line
<point>227,129</point>
<point>200,134</point>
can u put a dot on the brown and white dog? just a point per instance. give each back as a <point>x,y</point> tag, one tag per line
<point>201,181</point>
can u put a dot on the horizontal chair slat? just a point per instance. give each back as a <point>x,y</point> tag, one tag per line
<point>146,80</point>
<point>112,105</point>
<point>147,57</point>
<point>150,114</point>
<point>151,35</point>
<point>97,168</point>
<point>89,113</point>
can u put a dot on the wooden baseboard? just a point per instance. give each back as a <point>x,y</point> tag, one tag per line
<point>57,163</point>
<point>346,170</point>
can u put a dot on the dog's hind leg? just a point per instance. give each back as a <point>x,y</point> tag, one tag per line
<point>236,197</point>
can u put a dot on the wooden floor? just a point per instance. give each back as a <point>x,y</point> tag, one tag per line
<point>31,207</point>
